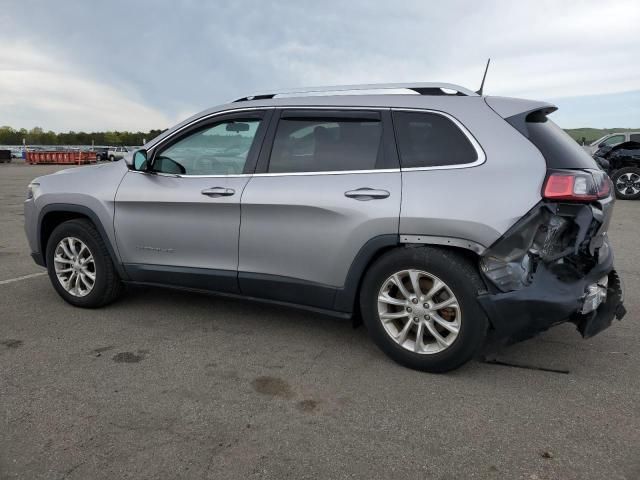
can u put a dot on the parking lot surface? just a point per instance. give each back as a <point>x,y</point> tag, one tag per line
<point>167,384</point>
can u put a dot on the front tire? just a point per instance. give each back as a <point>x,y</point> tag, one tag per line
<point>112,158</point>
<point>419,305</point>
<point>80,266</point>
<point>626,182</point>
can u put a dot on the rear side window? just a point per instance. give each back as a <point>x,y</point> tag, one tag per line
<point>326,144</point>
<point>557,147</point>
<point>431,140</point>
<point>635,137</point>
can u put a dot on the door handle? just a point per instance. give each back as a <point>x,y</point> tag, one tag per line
<point>364,194</point>
<point>218,192</point>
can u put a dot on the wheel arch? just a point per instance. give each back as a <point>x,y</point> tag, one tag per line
<point>346,299</point>
<point>54,214</point>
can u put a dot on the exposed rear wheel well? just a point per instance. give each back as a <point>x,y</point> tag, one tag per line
<point>51,220</point>
<point>471,256</point>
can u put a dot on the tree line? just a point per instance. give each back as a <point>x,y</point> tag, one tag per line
<point>37,136</point>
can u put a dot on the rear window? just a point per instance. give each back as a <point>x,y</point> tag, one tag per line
<point>326,144</point>
<point>557,147</point>
<point>431,140</point>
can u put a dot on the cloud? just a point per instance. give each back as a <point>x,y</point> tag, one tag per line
<point>142,63</point>
<point>37,90</point>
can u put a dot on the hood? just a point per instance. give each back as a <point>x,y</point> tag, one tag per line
<point>83,169</point>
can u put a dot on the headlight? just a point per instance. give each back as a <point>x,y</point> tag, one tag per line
<point>30,189</point>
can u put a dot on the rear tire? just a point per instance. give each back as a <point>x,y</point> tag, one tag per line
<point>466,323</point>
<point>69,247</point>
<point>112,158</point>
<point>626,183</point>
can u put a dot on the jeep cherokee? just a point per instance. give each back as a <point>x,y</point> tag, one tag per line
<point>441,217</point>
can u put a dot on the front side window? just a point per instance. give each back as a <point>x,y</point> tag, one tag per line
<point>635,137</point>
<point>431,140</point>
<point>325,144</point>
<point>221,149</point>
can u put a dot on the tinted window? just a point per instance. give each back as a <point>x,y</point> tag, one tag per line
<point>215,150</point>
<point>635,137</point>
<point>431,140</point>
<point>321,145</point>
<point>557,147</point>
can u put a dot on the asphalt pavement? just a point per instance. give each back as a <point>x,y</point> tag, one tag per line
<point>167,384</point>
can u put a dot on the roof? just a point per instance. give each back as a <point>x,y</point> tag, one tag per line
<point>447,97</point>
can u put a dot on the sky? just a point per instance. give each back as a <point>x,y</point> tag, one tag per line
<point>138,65</point>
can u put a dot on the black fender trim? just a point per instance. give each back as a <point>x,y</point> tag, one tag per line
<point>38,258</point>
<point>285,289</point>
<point>346,296</point>
<point>206,279</point>
<point>86,211</point>
<point>253,286</point>
<point>234,296</point>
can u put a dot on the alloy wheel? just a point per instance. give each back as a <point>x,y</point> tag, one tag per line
<point>628,183</point>
<point>419,311</point>
<point>75,266</point>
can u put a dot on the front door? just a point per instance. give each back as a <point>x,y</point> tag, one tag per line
<point>179,223</point>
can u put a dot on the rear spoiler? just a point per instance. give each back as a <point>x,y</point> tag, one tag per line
<point>518,112</point>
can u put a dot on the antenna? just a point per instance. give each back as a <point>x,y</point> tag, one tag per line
<point>479,92</point>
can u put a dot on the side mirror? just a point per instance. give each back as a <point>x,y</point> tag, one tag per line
<point>139,162</point>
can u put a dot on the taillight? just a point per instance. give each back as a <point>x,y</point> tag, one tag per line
<point>576,185</point>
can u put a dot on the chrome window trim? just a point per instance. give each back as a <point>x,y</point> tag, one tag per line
<point>482,157</point>
<point>204,117</point>
<point>246,175</point>
<point>252,109</point>
<point>328,172</point>
<point>476,145</point>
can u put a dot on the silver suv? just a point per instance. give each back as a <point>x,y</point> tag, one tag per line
<point>440,217</point>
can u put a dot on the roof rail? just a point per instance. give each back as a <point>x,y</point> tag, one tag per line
<point>420,88</point>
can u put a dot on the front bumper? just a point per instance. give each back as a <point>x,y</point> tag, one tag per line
<point>31,228</point>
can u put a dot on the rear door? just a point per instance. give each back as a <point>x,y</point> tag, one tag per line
<point>328,181</point>
<point>179,223</point>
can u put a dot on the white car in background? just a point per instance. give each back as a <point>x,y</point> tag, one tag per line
<point>611,140</point>
<point>117,153</point>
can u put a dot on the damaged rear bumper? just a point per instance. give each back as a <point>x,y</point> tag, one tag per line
<point>593,323</point>
<point>548,302</point>
<point>562,267</point>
